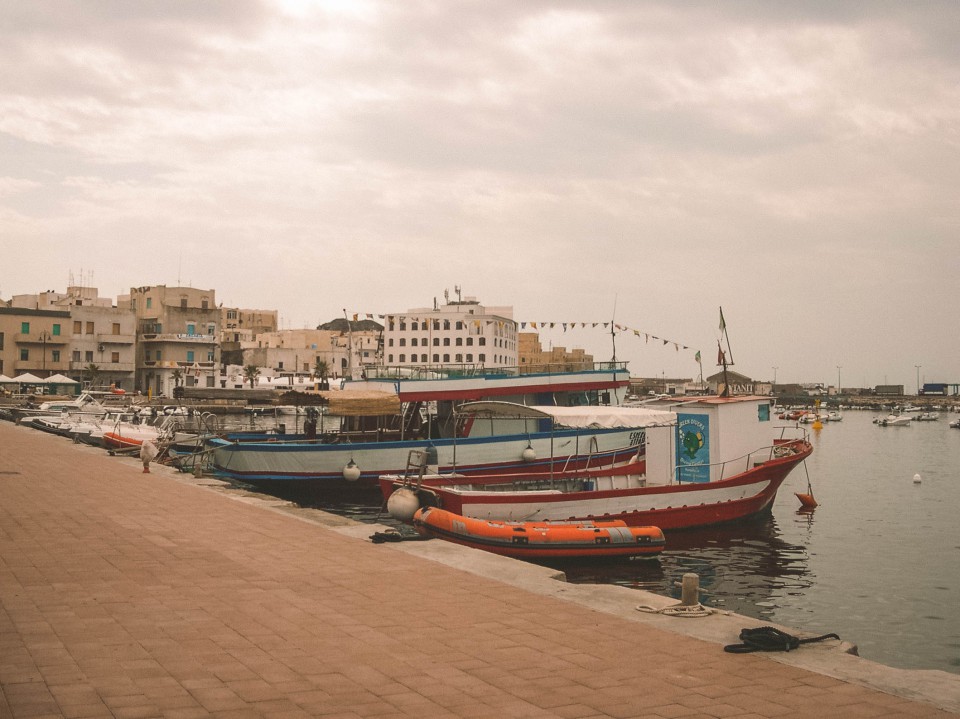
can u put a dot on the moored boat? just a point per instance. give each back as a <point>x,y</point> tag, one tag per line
<point>542,540</point>
<point>692,477</point>
<point>420,412</point>
<point>894,420</point>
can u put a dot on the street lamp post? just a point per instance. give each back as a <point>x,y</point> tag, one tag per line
<point>44,336</point>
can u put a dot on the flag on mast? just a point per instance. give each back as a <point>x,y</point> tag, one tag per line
<point>723,325</point>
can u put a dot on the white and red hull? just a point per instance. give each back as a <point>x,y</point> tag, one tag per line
<point>670,507</point>
<point>124,435</point>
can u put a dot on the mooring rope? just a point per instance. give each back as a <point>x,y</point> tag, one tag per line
<point>681,610</point>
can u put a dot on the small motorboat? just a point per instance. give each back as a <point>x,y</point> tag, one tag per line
<point>894,420</point>
<point>542,540</point>
<point>955,424</point>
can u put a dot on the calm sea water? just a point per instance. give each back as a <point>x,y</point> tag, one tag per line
<point>878,562</point>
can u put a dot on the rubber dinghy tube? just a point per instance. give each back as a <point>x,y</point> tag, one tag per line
<point>769,639</point>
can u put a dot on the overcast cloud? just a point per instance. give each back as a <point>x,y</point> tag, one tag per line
<point>795,163</point>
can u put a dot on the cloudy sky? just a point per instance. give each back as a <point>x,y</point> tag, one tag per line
<point>646,162</point>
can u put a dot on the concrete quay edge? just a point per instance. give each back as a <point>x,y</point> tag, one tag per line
<point>830,658</point>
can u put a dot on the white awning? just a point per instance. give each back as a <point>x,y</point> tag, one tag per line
<point>59,379</point>
<point>27,378</point>
<point>574,417</point>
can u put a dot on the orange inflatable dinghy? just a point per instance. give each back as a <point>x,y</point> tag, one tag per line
<point>542,540</point>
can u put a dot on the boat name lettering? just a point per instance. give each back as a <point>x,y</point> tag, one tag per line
<point>638,438</point>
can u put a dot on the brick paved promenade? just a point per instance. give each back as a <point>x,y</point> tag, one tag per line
<point>125,594</point>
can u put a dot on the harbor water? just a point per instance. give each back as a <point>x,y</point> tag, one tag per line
<point>877,562</point>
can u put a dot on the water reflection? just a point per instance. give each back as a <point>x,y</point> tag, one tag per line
<point>745,568</point>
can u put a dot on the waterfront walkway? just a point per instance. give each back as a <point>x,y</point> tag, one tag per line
<point>124,594</point>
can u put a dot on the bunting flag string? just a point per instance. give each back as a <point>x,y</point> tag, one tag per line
<point>536,325</point>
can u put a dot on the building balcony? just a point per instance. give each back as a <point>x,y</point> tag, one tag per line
<point>110,339</point>
<point>35,338</point>
<point>183,337</point>
<point>39,367</point>
<point>76,366</point>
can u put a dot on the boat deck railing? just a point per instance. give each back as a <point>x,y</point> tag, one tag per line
<point>455,371</point>
<point>733,467</point>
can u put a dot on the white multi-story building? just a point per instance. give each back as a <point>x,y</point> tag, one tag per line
<point>460,332</point>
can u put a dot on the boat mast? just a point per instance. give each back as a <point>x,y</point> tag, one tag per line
<point>613,334</point>
<point>349,345</point>
<point>722,357</point>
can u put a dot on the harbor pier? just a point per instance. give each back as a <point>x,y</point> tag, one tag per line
<point>124,594</point>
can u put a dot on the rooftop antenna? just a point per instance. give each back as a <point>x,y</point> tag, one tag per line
<point>456,288</point>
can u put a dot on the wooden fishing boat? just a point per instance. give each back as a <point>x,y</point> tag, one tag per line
<point>457,442</point>
<point>542,540</point>
<point>718,486</point>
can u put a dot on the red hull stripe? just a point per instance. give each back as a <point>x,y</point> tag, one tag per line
<point>506,391</point>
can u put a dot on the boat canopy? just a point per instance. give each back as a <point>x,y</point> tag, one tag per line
<point>357,403</point>
<point>573,417</point>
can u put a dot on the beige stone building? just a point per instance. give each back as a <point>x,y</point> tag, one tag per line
<point>178,338</point>
<point>557,359</point>
<point>34,341</point>
<point>296,352</point>
<point>241,325</point>
<point>95,346</point>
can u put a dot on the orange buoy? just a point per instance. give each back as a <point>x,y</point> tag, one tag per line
<point>806,500</point>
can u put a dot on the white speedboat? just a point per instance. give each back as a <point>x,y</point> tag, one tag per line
<point>894,420</point>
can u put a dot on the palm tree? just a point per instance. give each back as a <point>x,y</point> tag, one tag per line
<point>94,373</point>
<point>177,375</point>
<point>250,373</point>
<point>322,370</point>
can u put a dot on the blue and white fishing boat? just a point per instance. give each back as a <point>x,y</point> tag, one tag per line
<point>399,411</point>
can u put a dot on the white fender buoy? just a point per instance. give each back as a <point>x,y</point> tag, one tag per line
<point>403,504</point>
<point>351,472</point>
<point>916,479</point>
<point>529,454</point>
<point>148,452</point>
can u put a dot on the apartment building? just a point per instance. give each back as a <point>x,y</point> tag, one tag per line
<point>34,341</point>
<point>89,338</point>
<point>177,338</point>
<point>459,332</point>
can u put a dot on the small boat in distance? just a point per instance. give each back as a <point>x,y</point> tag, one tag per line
<point>894,420</point>
<point>542,540</point>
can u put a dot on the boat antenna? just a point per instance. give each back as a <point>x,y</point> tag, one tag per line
<point>613,334</point>
<point>724,358</point>
<point>350,344</point>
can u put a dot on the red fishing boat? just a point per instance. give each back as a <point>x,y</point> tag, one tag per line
<point>694,475</point>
